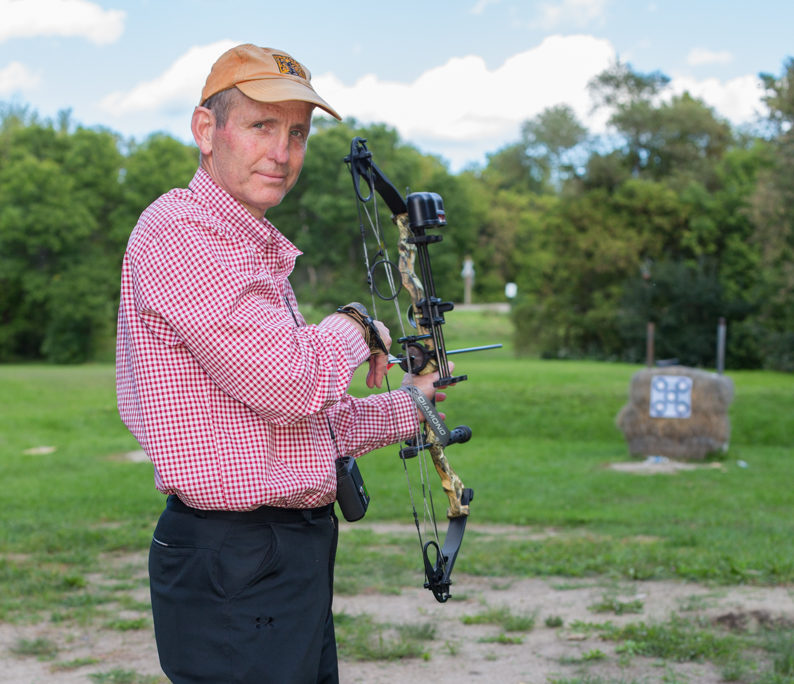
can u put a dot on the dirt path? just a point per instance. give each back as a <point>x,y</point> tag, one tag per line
<point>463,653</point>
<point>458,652</point>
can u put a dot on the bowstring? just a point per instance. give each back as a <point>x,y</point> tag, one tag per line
<point>424,470</point>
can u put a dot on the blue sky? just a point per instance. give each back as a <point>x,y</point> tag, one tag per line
<point>456,78</point>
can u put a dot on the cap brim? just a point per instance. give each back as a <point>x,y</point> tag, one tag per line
<point>281,90</point>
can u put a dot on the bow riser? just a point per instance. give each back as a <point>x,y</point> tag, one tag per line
<point>450,482</point>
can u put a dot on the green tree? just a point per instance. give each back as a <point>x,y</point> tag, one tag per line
<point>619,86</point>
<point>671,200</point>
<point>590,245</point>
<point>68,201</point>
<point>675,139</point>
<point>773,216</point>
<point>55,189</point>
<point>685,302</point>
<point>150,169</point>
<point>511,168</point>
<point>551,138</point>
<point>629,96</point>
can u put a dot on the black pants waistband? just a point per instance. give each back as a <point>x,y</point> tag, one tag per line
<point>265,514</point>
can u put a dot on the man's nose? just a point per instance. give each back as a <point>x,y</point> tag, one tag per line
<point>279,149</point>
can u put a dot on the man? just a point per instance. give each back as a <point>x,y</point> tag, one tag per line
<point>242,407</point>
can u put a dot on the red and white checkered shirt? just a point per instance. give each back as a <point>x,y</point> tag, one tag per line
<point>225,393</point>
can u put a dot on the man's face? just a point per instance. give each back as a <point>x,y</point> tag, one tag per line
<point>258,155</point>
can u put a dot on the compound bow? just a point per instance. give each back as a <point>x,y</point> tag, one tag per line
<point>424,351</point>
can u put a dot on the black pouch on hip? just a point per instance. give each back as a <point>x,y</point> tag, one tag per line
<point>351,494</point>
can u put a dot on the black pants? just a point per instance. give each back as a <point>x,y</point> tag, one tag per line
<point>244,598</point>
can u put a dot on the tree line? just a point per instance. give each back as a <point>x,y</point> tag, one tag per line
<point>671,216</point>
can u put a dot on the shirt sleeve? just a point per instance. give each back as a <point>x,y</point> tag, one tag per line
<point>235,323</point>
<point>364,424</point>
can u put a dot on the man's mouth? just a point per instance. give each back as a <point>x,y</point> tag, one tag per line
<point>271,174</point>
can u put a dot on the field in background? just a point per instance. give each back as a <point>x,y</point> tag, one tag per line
<point>544,434</point>
<point>544,437</point>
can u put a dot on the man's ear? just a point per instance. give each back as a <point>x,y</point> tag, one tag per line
<point>203,125</point>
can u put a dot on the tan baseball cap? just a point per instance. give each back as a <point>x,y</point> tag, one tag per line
<point>264,75</point>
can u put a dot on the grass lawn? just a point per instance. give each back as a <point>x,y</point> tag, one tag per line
<point>544,434</point>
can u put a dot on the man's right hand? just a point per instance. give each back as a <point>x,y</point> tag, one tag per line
<point>424,383</point>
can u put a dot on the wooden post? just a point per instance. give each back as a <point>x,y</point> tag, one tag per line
<point>649,335</point>
<point>721,330</point>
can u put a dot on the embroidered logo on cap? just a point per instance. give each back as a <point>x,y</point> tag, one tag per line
<point>287,65</point>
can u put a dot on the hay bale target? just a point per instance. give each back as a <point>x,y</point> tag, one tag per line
<point>677,412</point>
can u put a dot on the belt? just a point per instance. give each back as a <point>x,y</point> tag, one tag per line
<point>265,514</point>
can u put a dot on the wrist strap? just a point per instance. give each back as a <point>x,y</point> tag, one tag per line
<point>359,313</point>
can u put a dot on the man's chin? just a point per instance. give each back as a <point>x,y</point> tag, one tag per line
<point>265,199</point>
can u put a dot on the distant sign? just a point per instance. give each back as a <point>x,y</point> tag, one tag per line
<point>671,396</point>
<point>468,268</point>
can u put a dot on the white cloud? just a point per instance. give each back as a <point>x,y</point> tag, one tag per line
<point>178,87</point>
<point>31,18</point>
<point>579,13</point>
<point>17,77</point>
<point>738,100</point>
<point>462,109</point>
<point>700,56</point>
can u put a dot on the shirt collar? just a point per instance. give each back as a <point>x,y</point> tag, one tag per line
<point>240,221</point>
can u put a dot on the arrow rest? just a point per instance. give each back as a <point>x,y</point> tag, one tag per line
<point>416,357</point>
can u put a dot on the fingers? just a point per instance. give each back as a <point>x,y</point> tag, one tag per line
<point>378,365</point>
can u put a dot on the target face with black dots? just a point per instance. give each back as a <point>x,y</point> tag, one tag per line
<point>671,396</point>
